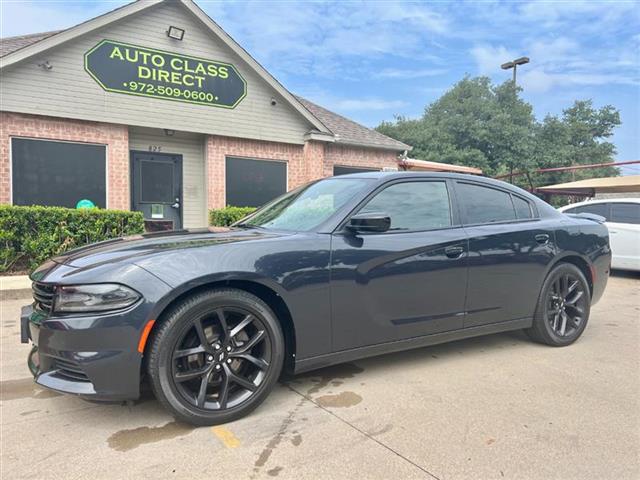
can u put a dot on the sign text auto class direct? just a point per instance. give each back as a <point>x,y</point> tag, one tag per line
<point>135,70</point>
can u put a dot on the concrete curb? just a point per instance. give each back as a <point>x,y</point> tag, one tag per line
<point>15,294</point>
<point>13,287</point>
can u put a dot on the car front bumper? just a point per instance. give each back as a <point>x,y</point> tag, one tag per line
<point>95,357</point>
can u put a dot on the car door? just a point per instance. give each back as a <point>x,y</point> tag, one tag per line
<point>624,234</point>
<point>406,282</point>
<point>509,250</point>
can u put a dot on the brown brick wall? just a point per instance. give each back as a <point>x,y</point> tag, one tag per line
<point>347,156</point>
<point>305,163</point>
<point>116,137</point>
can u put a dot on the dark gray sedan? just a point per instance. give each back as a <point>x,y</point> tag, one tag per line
<point>340,269</point>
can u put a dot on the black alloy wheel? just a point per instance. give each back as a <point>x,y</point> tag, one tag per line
<point>563,307</point>
<point>566,305</point>
<point>221,359</point>
<point>216,356</point>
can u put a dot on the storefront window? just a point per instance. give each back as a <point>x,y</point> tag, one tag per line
<point>252,183</point>
<point>57,174</point>
<point>340,170</point>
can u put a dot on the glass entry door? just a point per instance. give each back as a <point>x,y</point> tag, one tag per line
<point>156,189</point>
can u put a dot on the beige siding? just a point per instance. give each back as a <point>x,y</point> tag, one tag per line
<point>191,147</point>
<point>68,91</point>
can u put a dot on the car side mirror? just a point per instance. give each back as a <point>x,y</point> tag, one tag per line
<point>369,222</point>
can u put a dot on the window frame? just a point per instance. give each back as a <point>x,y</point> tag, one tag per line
<point>612,204</point>
<point>75,142</point>
<point>244,157</point>
<point>531,206</point>
<point>463,211</point>
<point>607,215</point>
<point>453,209</point>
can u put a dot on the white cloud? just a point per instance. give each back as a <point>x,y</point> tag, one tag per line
<point>539,81</point>
<point>24,17</point>
<point>351,105</point>
<point>489,58</point>
<point>562,12</point>
<point>410,74</point>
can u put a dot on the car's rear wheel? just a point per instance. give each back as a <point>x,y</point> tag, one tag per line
<point>215,356</point>
<point>563,307</point>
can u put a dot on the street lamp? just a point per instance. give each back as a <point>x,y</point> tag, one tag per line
<point>514,64</point>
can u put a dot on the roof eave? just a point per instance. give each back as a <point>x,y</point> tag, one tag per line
<point>401,147</point>
<point>74,32</point>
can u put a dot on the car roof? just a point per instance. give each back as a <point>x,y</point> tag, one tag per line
<point>386,176</point>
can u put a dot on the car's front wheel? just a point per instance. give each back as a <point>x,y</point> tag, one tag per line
<point>563,307</point>
<point>215,356</point>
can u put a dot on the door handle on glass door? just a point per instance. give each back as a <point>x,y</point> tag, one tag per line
<point>176,204</point>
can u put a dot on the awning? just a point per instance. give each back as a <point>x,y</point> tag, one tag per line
<point>591,186</point>
<point>426,166</point>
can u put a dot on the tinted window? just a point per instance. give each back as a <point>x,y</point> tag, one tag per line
<point>252,183</point>
<point>601,209</point>
<point>413,205</point>
<point>523,208</point>
<point>625,213</point>
<point>308,206</point>
<point>485,205</point>
<point>156,179</point>
<point>57,173</point>
<point>338,170</point>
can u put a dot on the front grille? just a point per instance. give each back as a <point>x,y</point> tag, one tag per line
<point>43,296</point>
<point>70,369</point>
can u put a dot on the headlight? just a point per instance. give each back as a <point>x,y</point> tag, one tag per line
<point>93,298</point>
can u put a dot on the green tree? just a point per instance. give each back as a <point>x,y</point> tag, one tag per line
<point>479,124</point>
<point>474,123</point>
<point>578,137</point>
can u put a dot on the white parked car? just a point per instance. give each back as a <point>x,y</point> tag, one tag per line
<point>623,220</point>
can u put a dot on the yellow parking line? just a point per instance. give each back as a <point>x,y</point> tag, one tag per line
<point>226,437</point>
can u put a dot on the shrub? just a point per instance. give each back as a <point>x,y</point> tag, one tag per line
<point>31,235</point>
<point>223,217</point>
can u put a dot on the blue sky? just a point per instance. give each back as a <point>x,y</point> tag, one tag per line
<point>372,60</point>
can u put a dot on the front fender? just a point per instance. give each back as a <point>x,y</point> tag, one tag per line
<point>219,277</point>
<point>295,267</point>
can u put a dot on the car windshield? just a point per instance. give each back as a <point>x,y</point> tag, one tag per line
<point>306,207</point>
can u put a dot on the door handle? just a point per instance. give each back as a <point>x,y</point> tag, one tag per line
<point>454,252</point>
<point>542,238</point>
<point>176,203</point>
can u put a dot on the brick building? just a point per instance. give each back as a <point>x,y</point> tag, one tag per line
<point>153,107</point>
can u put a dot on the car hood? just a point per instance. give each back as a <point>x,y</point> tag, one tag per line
<point>135,246</point>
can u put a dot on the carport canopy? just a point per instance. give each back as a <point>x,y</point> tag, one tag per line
<point>591,186</point>
<point>427,166</point>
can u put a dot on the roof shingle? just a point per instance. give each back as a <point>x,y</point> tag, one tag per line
<point>11,44</point>
<point>349,132</point>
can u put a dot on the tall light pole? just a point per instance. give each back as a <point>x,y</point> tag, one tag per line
<point>514,64</point>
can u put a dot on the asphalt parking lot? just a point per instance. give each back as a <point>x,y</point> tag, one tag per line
<point>491,407</point>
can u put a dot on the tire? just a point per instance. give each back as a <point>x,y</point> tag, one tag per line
<point>563,284</point>
<point>236,367</point>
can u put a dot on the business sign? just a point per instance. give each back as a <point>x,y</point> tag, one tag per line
<point>123,68</point>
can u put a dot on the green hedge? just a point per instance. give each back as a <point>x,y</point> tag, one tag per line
<point>223,217</point>
<point>31,235</point>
